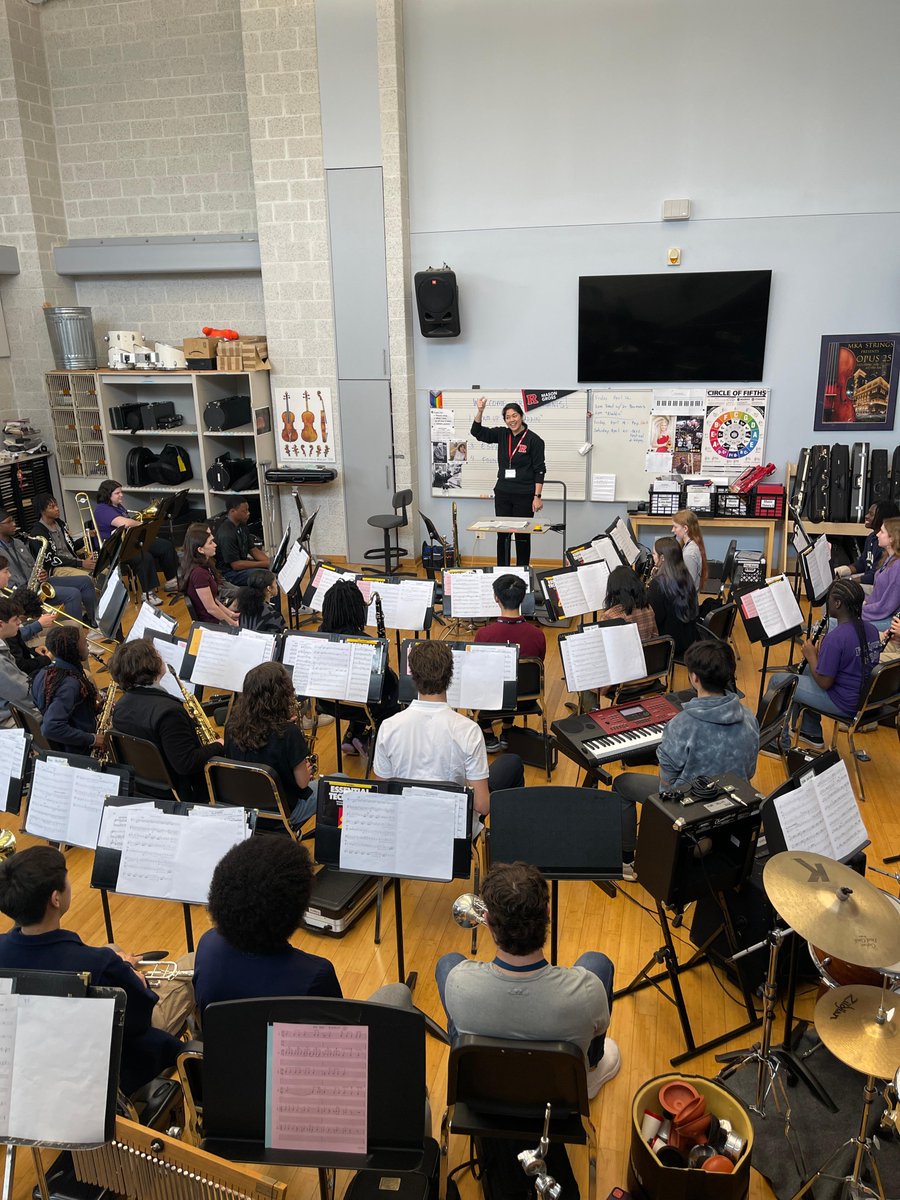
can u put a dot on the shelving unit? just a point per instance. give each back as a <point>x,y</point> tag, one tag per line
<point>89,449</point>
<point>838,528</point>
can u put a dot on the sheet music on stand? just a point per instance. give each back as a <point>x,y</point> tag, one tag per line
<point>815,565</point>
<point>484,675</point>
<point>333,666</point>
<point>150,618</point>
<point>817,812</point>
<point>602,656</point>
<point>14,747</point>
<point>576,591</point>
<point>325,577</point>
<point>599,549</point>
<point>771,613</point>
<point>281,553</point>
<point>66,798</point>
<point>220,656</point>
<point>60,1050</point>
<point>172,649</point>
<point>294,566</point>
<point>409,829</point>
<point>111,604</point>
<point>163,849</point>
<point>470,593</point>
<point>624,542</point>
<point>405,602</point>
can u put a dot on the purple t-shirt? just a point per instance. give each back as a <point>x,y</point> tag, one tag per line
<point>841,660</point>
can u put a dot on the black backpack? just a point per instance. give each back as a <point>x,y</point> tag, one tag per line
<point>171,466</point>
<point>137,462</point>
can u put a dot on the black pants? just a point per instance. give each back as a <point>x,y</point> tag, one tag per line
<point>513,504</point>
<point>506,771</point>
<point>159,556</point>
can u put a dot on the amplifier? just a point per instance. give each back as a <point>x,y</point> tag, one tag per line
<point>698,840</point>
<point>749,570</point>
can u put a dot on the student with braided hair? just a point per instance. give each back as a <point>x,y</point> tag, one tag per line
<point>838,668</point>
<point>66,694</point>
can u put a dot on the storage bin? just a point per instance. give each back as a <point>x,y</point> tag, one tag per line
<point>664,504</point>
<point>769,500</point>
<point>71,333</point>
<point>733,504</point>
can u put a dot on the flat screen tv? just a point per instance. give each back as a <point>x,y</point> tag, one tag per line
<point>708,326</point>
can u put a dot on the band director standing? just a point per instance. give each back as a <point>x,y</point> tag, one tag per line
<point>520,475</point>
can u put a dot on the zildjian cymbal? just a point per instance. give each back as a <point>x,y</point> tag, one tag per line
<point>854,1027</point>
<point>834,907</point>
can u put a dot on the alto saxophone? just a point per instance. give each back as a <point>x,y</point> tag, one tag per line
<point>44,590</point>
<point>104,721</point>
<point>205,730</point>
<point>379,616</point>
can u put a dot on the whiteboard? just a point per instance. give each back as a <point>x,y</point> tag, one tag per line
<point>619,433</point>
<point>462,466</point>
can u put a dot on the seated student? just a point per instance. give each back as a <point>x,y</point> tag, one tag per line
<point>235,553</point>
<point>713,734</point>
<point>839,666</point>
<point>110,513</point>
<point>344,611</point>
<point>76,598</point>
<point>863,569</point>
<point>257,898</point>
<point>148,712</point>
<point>431,741</point>
<point>36,893</point>
<point>28,659</point>
<point>884,601</point>
<point>199,577</point>
<point>519,995</point>
<point>509,627</point>
<point>626,600</point>
<point>686,531</point>
<point>14,688</point>
<point>264,728</point>
<point>69,565</point>
<point>253,603</point>
<point>672,595</point>
<point>66,694</point>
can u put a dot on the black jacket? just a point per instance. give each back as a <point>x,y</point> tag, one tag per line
<point>529,457</point>
<point>70,719</point>
<point>154,715</point>
<point>70,560</point>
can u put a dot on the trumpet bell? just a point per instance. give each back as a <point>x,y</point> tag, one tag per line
<point>469,910</point>
<point>7,843</point>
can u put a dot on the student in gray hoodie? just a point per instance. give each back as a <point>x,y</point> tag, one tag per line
<point>13,683</point>
<point>713,734</point>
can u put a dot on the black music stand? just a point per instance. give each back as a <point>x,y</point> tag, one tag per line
<point>234,1069</point>
<point>110,622</point>
<point>304,538</point>
<point>566,832</point>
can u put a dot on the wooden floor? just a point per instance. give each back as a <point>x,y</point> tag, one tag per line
<point>645,1026</point>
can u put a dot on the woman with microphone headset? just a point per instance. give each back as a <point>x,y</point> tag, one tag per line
<point>520,475</point>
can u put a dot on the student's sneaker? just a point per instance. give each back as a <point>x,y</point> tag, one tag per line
<point>349,748</point>
<point>492,744</point>
<point>629,875</point>
<point>324,719</point>
<point>171,585</point>
<point>152,598</point>
<point>606,1069</point>
<point>811,739</point>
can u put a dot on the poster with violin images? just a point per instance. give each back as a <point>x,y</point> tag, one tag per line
<point>858,376</point>
<point>304,426</point>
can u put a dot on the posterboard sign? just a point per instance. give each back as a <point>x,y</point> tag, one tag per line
<point>734,430</point>
<point>305,429</point>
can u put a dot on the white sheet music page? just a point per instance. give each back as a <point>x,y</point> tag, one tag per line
<point>405,604</point>
<point>584,662</point>
<point>624,653</point>
<point>482,672</point>
<point>369,832</point>
<point>172,654</point>
<point>426,827</point>
<point>460,802</point>
<point>464,592</point>
<point>777,608</point>
<point>114,822</point>
<point>12,762</point>
<point>150,618</point>
<point>362,659</point>
<point>49,800</point>
<point>89,792</point>
<point>223,659</point>
<point>625,543</point>
<point>840,810</point>
<point>294,566</point>
<point>571,599</point>
<point>593,578</point>
<point>149,851</point>
<point>802,822</point>
<point>324,579</point>
<point>818,565</point>
<point>202,845</point>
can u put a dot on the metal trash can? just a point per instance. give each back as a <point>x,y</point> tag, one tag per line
<point>71,333</point>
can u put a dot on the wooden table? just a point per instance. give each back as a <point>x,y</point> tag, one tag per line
<point>715,524</point>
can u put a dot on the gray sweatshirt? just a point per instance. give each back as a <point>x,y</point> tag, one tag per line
<point>13,687</point>
<point>710,736</point>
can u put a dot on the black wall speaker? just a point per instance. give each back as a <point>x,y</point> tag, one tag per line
<point>437,300</point>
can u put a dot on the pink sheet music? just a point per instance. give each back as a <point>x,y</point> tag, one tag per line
<point>318,1087</point>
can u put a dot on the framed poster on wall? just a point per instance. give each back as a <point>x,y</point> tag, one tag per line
<point>857,386</point>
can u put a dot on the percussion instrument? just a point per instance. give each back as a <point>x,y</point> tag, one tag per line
<point>835,972</point>
<point>857,1029</point>
<point>833,907</point>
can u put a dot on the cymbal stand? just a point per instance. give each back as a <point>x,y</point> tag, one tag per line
<point>865,1150</point>
<point>771,1060</point>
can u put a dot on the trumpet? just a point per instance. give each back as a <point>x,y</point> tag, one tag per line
<point>162,970</point>
<point>205,730</point>
<point>7,843</point>
<point>469,911</point>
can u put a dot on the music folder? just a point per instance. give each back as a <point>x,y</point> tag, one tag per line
<point>67,794</point>
<point>469,592</point>
<point>220,656</point>
<point>574,591</point>
<point>324,578</point>
<point>485,675</point>
<point>816,811</point>
<point>335,666</point>
<point>405,828</point>
<point>602,655</point>
<point>771,613</point>
<point>15,745</point>
<point>815,568</point>
<point>600,548</point>
<point>624,541</point>
<point>405,603</point>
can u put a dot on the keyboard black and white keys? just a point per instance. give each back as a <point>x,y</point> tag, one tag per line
<point>611,733</point>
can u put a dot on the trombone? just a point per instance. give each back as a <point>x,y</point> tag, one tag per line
<point>9,593</point>
<point>83,504</point>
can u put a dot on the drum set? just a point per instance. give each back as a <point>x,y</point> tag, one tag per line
<point>853,931</point>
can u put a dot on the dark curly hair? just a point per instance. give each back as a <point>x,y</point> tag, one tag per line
<point>135,664</point>
<point>250,600</point>
<point>266,705</point>
<point>344,609</point>
<point>259,892</point>
<point>517,900</point>
<point>28,880</point>
<point>64,641</point>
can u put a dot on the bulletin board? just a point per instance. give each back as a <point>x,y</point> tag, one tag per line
<point>462,466</point>
<point>619,440</point>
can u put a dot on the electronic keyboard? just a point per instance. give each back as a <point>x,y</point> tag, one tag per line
<point>620,731</point>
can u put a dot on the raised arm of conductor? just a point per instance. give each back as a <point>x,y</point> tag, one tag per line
<point>480,432</point>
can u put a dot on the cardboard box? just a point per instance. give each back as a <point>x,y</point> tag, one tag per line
<point>249,353</point>
<point>200,347</point>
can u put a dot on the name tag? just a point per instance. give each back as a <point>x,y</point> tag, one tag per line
<point>510,473</point>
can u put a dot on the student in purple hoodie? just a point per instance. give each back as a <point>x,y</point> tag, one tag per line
<point>884,602</point>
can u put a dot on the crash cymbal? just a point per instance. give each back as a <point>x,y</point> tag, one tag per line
<point>834,907</point>
<point>847,1022</point>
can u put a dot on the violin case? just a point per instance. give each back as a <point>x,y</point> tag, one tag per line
<point>227,413</point>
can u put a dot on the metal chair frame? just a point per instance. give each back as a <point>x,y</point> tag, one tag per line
<point>118,743</point>
<point>252,779</point>
<point>400,502</point>
<point>772,714</point>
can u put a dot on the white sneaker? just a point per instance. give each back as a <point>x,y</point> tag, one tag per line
<point>324,719</point>
<point>171,585</point>
<point>629,874</point>
<point>152,598</point>
<point>606,1069</point>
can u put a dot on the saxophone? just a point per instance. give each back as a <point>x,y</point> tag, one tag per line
<point>44,590</point>
<point>456,559</point>
<point>205,730</point>
<point>104,721</point>
<point>379,616</point>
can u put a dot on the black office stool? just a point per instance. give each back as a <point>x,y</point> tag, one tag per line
<point>387,522</point>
